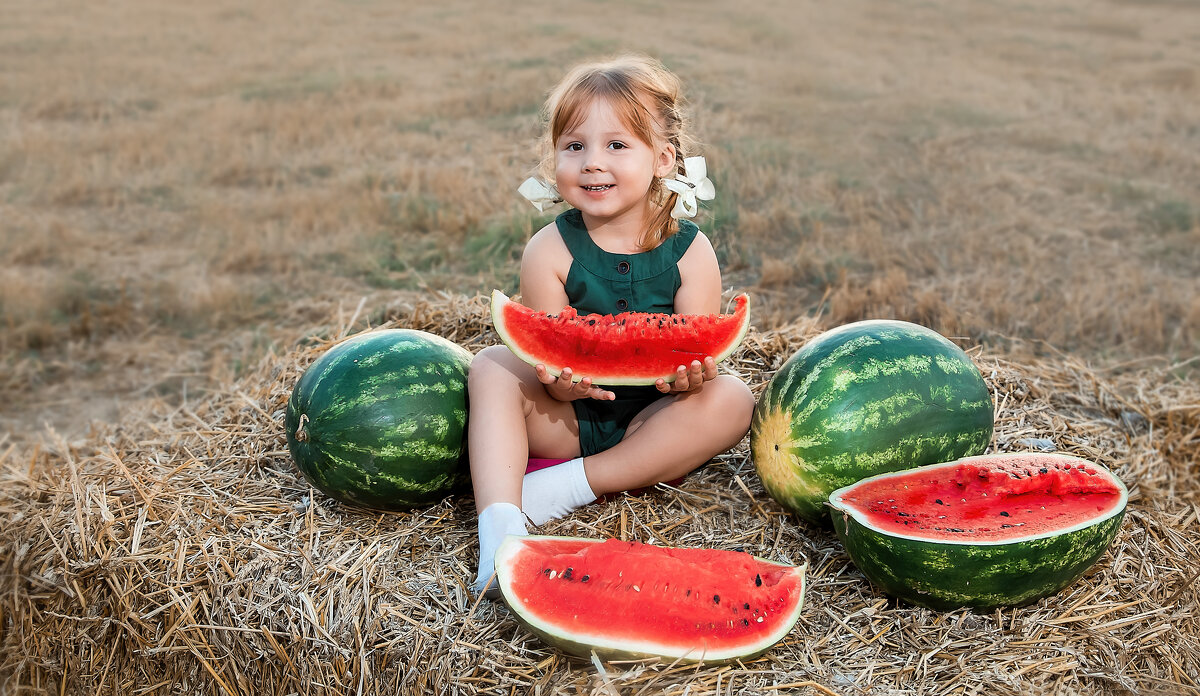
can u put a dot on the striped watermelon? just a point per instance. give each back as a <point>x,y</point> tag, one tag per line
<point>981,532</point>
<point>862,399</point>
<point>379,420</point>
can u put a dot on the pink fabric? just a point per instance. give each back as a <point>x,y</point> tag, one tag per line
<point>536,464</point>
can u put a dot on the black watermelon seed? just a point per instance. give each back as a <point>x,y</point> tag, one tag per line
<point>567,573</point>
<point>745,622</point>
<point>584,578</point>
<point>1003,513</point>
<point>687,594</point>
<point>758,581</point>
<point>716,599</point>
<point>546,572</point>
<point>1044,470</point>
<point>939,501</point>
<point>746,605</point>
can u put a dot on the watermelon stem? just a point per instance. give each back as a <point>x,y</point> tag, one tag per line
<point>301,433</point>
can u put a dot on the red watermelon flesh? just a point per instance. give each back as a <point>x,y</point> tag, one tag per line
<point>628,348</point>
<point>994,498</point>
<point>627,599</point>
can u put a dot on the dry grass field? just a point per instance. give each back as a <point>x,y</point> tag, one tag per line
<point>184,186</point>
<point>191,192</point>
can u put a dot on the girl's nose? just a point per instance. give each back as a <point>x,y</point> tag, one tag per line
<point>592,164</point>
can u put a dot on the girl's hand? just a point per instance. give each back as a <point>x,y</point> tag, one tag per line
<point>563,389</point>
<point>690,378</point>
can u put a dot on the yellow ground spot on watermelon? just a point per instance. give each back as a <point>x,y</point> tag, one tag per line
<point>775,456</point>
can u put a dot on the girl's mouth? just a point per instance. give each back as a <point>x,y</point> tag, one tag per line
<point>605,187</point>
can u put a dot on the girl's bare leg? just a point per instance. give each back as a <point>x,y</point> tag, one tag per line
<point>511,415</point>
<point>673,436</point>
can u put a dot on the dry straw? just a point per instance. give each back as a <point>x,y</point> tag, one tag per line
<point>179,552</point>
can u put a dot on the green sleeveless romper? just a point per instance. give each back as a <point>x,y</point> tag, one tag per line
<point>600,282</point>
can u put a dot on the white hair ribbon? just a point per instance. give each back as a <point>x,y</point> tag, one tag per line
<point>692,184</point>
<point>539,193</point>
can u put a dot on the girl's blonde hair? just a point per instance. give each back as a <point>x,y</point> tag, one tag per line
<point>647,98</point>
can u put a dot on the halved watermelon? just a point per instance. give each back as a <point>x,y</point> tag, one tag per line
<point>627,348</point>
<point>983,532</point>
<point>628,600</point>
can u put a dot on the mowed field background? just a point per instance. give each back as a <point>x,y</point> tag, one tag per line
<point>187,186</point>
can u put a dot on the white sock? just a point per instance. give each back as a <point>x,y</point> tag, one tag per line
<point>548,494</point>
<point>497,521</point>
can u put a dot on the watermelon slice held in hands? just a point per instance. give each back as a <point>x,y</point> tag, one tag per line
<point>616,349</point>
<point>628,600</point>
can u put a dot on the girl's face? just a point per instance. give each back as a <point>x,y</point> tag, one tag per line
<point>604,170</point>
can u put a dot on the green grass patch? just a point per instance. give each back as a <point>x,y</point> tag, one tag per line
<point>293,87</point>
<point>1170,216</point>
<point>499,242</point>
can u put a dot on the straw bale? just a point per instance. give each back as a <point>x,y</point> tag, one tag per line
<point>180,552</point>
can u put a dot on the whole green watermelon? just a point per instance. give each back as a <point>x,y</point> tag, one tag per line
<point>379,421</point>
<point>864,399</point>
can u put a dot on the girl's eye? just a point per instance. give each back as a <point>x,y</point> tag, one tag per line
<point>617,145</point>
<point>575,147</point>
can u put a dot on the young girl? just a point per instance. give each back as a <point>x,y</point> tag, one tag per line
<point>616,153</point>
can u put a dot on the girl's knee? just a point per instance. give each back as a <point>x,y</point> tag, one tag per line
<point>491,363</point>
<point>733,397</point>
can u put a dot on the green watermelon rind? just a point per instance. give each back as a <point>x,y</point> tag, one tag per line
<point>865,398</point>
<point>499,300</point>
<point>981,575</point>
<point>630,648</point>
<point>370,438</point>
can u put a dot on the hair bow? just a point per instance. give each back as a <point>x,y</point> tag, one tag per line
<point>539,193</point>
<point>692,184</point>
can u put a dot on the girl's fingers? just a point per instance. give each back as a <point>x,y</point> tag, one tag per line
<point>683,379</point>
<point>601,394</point>
<point>542,374</point>
<point>585,388</point>
<point>692,377</point>
<point>710,368</point>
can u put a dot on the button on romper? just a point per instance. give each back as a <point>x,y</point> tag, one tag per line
<point>600,282</point>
